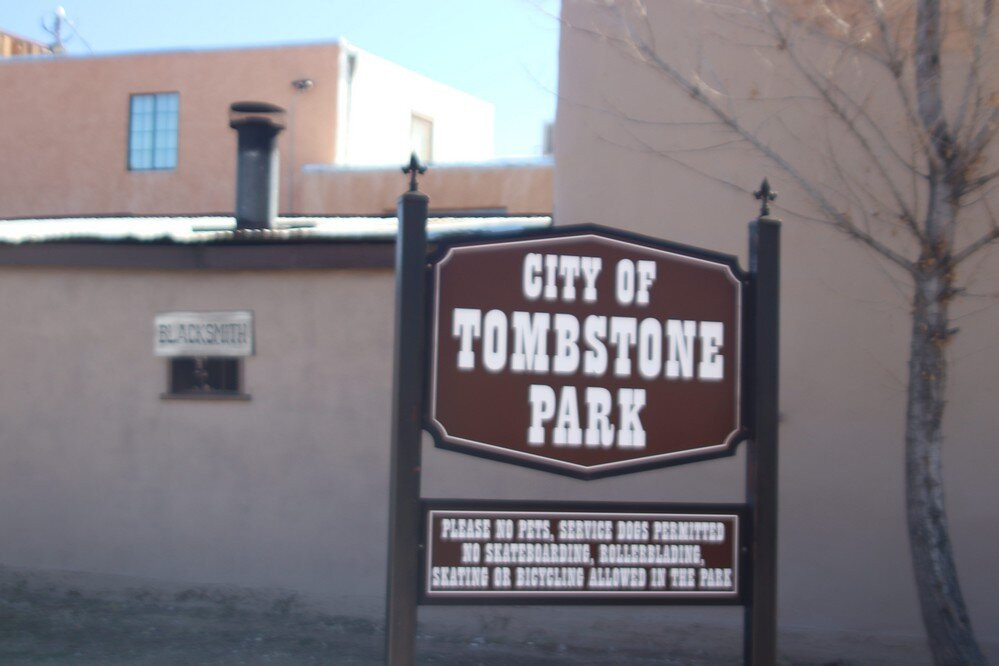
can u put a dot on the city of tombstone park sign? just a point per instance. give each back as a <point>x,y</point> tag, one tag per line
<point>586,351</point>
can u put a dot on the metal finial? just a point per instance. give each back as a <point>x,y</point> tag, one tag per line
<point>765,195</point>
<point>413,168</point>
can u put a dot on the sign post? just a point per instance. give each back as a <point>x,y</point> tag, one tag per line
<point>407,407</point>
<point>760,624</point>
<point>584,351</point>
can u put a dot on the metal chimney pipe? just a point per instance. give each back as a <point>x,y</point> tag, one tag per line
<point>257,124</point>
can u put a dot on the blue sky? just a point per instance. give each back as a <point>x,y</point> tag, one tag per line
<point>503,51</point>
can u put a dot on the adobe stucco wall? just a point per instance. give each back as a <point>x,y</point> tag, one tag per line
<point>285,490</point>
<point>65,132</point>
<point>517,189</point>
<point>65,127</point>
<point>844,561</point>
<point>381,97</point>
<point>288,490</point>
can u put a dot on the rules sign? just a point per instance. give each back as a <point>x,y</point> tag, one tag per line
<point>493,552</point>
<point>586,351</point>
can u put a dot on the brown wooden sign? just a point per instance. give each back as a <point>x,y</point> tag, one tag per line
<point>494,552</point>
<point>586,351</point>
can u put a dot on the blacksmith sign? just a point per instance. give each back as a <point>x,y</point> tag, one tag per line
<point>224,333</point>
<point>586,352</point>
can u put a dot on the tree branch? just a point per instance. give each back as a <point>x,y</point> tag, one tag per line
<point>972,85</point>
<point>836,218</point>
<point>668,155</point>
<point>979,182</point>
<point>825,89</point>
<point>929,84</point>
<point>983,241</point>
<point>854,185</point>
<point>973,151</point>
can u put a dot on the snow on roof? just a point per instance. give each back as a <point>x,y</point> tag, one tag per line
<point>214,228</point>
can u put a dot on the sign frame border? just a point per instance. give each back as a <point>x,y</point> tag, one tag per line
<point>743,555</point>
<point>744,385</point>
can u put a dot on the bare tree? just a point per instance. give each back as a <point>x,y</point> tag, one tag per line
<point>908,91</point>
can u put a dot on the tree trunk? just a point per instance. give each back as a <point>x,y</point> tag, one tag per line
<point>948,627</point>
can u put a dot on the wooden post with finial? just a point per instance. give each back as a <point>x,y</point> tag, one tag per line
<point>407,415</point>
<point>414,168</point>
<point>765,195</point>
<point>763,331</point>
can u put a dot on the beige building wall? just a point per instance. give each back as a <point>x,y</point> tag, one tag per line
<point>12,45</point>
<point>844,563</point>
<point>289,489</point>
<point>67,122</point>
<point>516,189</point>
<point>380,101</point>
<point>64,132</point>
<point>286,490</point>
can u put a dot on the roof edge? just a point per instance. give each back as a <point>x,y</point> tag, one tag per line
<point>49,57</point>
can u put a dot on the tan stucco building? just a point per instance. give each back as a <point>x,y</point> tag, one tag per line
<point>147,134</point>
<point>12,45</point>
<point>634,150</point>
<point>287,486</point>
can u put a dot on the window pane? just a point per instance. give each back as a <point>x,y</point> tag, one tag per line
<point>166,121</point>
<point>168,102</point>
<point>153,131</point>
<point>204,375</point>
<point>142,103</point>
<point>142,122</point>
<point>165,158</point>
<point>143,141</point>
<point>141,159</point>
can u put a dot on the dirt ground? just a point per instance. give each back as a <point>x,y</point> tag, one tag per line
<point>50,620</point>
<point>57,618</point>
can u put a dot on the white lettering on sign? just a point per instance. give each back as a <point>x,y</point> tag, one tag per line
<point>587,553</point>
<point>460,578</point>
<point>542,275</point>
<point>650,348</point>
<point>710,367</point>
<point>714,579</point>
<point>633,343</point>
<point>564,416</point>
<point>467,325</point>
<point>681,348</point>
<point>465,529</point>
<point>633,281</point>
<point>530,342</point>
<point>628,356</point>
<point>203,333</point>
<point>566,344</point>
<point>599,429</point>
<point>595,356</point>
<point>494,333</point>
